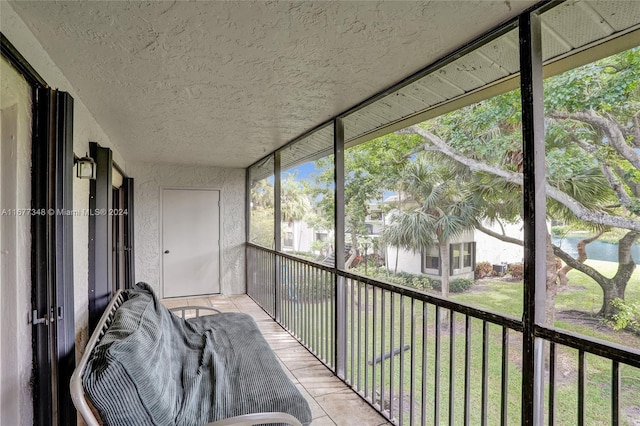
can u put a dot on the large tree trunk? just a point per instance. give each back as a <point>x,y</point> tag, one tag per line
<point>611,287</point>
<point>354,251</point>
<point>444,266</point>
<point>582,256</point>
<point>617,285</point>
<point>551,279</point>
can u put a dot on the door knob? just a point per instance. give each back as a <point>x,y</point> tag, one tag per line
<point>166,252</point>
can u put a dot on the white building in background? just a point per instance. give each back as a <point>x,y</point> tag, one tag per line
<point>464,252</point>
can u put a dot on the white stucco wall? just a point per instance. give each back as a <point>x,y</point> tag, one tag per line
<point>149,179</point>
<point>85,129</point>
<point>490,249</point>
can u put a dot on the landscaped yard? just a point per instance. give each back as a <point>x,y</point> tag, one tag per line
<point>577,304</point>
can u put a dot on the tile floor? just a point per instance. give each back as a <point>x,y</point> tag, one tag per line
<point>331,401</point>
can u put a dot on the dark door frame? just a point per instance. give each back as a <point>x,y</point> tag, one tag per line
<point>102,283</point>
<point>52,295</point>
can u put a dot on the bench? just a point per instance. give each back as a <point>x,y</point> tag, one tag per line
<point>144,365</point>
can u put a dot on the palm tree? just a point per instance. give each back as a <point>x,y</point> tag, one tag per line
<point>439,208</point>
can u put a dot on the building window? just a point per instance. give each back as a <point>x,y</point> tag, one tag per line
<point>432,259</point>
<point>288,239</point>
<point>466,255</point>
<point>321,236</point>
<point>455,256</point>
<point>462,257</point>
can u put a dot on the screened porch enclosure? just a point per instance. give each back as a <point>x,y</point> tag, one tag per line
<point>414,354</point>
<point>358,198</point>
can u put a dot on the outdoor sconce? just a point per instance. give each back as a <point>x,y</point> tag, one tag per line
<point>85,167</point>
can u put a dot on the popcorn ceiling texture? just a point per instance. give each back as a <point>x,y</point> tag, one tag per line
<point>149,179</point>
<point>254,74</point>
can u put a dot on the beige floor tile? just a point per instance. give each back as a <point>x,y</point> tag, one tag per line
<point>346,408</point>
<point>316,409</point>
<point>323,421</point>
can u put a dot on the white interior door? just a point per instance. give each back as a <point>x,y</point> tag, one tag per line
<point>190,242</point>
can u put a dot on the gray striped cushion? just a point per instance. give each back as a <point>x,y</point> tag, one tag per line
<point>153,368</point>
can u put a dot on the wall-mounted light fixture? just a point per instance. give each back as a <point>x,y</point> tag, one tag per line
<point>85,167</point>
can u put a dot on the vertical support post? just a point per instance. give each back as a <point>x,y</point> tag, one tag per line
<point>277,233</point>
<point>41,270</point>
<point>341,306</point>
<point>63,308</point>
<point>535,239</point>
<point>100,234</point>
<point>129,228</point>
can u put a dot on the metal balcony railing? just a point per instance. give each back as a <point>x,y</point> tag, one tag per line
<point>419,359</point>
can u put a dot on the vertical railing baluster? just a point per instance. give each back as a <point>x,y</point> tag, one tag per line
<point>412,392</point>
<point>290,294</point>
<point>581,387</point>
<point>352,332</point>
<point>314,301</point>
<point>615,393</point>
<point>325,309</point>
<point>425,355</point>
<point>392,370</point>
<point>359,328</point>
<point>505,377</point>
<point>452,366</point>
<point>467,369</point>
<point>401,378</point>
<point>382,350</point>
<point>333,321</point>
<point>552,384</point>
<point>436,387</point>
<point>374,378</point>
<point>485,373</point>
<point>299,290</point>
<point>366,341</point>
<point>307,305</point>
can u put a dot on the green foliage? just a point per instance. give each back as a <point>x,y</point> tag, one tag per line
<point>627,317</point>
<point>421,282</point>
<point>483,269</point>
<point>516,270</point>
<point>456,285</point>
<point>605,85</point>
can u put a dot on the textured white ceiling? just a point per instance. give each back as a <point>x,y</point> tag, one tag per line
<point>224,83</point>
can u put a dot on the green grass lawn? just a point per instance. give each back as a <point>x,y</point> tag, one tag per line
<point>582,294</point>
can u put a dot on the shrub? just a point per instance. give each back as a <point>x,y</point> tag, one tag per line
<point>516,270</point>
<point>456,285</point>
<point>483,269</point>
<point>628,316</point>
<point>418,281</point>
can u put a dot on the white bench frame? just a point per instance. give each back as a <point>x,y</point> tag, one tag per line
<point>83,406</point>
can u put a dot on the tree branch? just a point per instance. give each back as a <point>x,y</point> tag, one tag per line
<point>585,269</point>
<point>636,129</point>
<point>610,129</point>
<point>634,186</point>
<point>615,184</point>
<point>576,207</point>
<point>501,237</point>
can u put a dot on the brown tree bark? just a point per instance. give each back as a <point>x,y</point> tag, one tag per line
<point>551,280</point>
<point>615,287</point>
<point>582,256</point>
